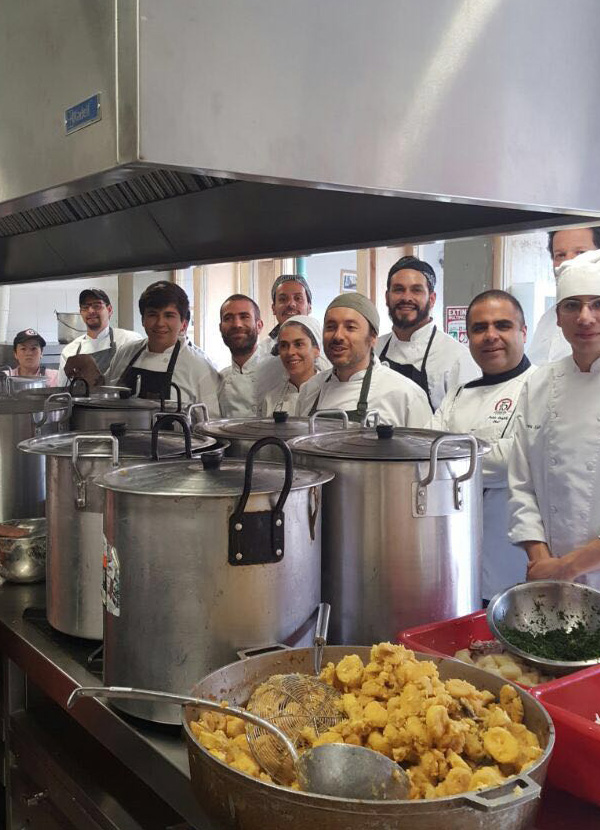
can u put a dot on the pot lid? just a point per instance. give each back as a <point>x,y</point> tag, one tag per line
<point>134,443</point>
<point>385,443</point>
<point>190,478</point>
<point>21,405</point>
<point>251,429</point>
<point>115,403</point>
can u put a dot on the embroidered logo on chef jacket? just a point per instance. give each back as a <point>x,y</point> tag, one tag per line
<point>503,405</point>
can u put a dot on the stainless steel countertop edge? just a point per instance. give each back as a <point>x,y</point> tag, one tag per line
<point>158,759</point>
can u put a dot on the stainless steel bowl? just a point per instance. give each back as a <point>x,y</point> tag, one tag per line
<point>542,606</point>
<point>24,559</point>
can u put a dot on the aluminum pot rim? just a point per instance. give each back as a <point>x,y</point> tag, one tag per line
<point>423,805</point>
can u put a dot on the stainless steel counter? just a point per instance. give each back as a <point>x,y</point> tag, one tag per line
<point>157,757</point>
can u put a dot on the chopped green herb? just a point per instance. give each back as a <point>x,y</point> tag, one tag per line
<point>580,643</point>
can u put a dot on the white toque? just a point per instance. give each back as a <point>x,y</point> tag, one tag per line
<point>579,277</point>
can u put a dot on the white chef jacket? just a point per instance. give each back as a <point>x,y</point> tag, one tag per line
<point>194,373</point>
<point>449,363</point>
<point>89,345</point>
<point>548,344</point>
<point>284,398</point>
<point>398,400</point>
<point>238,393</point>
<point>486,408</point>
<point>554,469</point>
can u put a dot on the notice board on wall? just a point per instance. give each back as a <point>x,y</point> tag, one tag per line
<point>456,322</point>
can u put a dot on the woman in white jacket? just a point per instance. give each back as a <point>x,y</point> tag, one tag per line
<point>300,341</point>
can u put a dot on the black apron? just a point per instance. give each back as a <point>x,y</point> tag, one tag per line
<point>154,386</point>
<point>103,358</point>
<point>408,370</point>
<point>357,415</point>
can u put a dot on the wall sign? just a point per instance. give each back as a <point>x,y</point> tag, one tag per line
<point>456,322</point>
<point>83,114</point>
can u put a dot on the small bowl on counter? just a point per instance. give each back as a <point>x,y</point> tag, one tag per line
<point>23,558</point>
<point>541,607</point>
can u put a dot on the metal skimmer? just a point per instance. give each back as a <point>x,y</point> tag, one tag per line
<point>292,702</point>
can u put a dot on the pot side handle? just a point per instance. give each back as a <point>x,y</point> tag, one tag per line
<point>165,421</point>
<point>433,463</point>
<point>328,413</point>
<point>80,481</point>
<point>530,789</point>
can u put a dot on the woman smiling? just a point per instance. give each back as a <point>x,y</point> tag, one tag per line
<point>300,344</point>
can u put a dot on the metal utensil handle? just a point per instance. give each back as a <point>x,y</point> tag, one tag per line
<point>433,457</point>
<point>338,413</point>
<point>321,630</point>
<point>80,482</point>
<point>182,700</point>
<point>56,396</point>
<point>169,420</point>
<point>201,407</point>
<point>177,393</point>
<point>86,387</point>
<point>289,474</point>
<point>529,789</point>
<point>372,413</point>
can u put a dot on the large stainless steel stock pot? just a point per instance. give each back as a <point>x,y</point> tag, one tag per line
<point>95,413</point>
<point>14,384</point>
<point>74,513</point>
<point>203,559</point>
<point>402,528</point>
<point>243,432</point>
<point>245,803</point>
<point>22,481</point>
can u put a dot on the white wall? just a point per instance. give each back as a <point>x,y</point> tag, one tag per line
<point>323,276</point>
<point>32,305</point>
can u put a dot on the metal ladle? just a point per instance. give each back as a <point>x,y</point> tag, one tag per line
<point>338,770</point>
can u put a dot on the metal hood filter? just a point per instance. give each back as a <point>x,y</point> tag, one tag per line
<point>144,134</point>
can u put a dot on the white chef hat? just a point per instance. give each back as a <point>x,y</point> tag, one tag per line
<point>579,276</point>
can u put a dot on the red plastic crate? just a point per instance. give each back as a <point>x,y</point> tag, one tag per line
<point>572,703</point>
<point>447,637</point>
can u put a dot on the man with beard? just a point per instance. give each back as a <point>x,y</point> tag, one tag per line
<point>101,340</point>
<point>240,326</point>
<point>415,347</point>
<point>358,383</point>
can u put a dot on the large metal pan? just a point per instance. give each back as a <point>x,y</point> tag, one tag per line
<point>244,803</point>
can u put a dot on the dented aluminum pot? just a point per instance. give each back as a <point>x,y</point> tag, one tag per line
<point>239,801</point>
<point>74,513</point>
<point>203,559</point>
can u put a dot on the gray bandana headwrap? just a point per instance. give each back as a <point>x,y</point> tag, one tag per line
<point>359,303</point>
<point>291,278</point>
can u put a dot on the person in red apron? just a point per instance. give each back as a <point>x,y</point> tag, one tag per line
<point>358,383</point>
<point>415,347</point>
<point>166,357</point>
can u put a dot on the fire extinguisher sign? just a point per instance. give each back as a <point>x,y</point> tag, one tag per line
<point>456,322</point>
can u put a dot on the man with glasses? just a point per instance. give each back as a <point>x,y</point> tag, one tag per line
<point>554,469</point>
<point>101,340</point>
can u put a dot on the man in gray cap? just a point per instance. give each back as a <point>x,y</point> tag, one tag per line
<point>358,382</point>
<point>101,340</point>
<point>416,348</point>
<point>291,295</point>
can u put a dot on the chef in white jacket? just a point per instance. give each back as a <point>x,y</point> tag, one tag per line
<point>358,382</point>
<point>101,340</point>
<point>486,407</point>
<point>554,470</point>
<point>548,343</point>
<point>240,326</point>
<point>415,347</point>
<point>166,357</point>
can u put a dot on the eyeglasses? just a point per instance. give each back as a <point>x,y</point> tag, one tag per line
<point>575,307</point>
<point>92,306</point>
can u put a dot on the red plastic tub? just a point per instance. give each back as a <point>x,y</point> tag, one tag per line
<point>572,703</point>
<point>447,637</point>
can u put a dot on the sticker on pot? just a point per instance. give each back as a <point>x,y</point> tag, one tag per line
<point>104,559</point>
<point>113,588</point>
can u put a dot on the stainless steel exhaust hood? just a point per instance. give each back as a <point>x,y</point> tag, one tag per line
<point>152,134</point>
